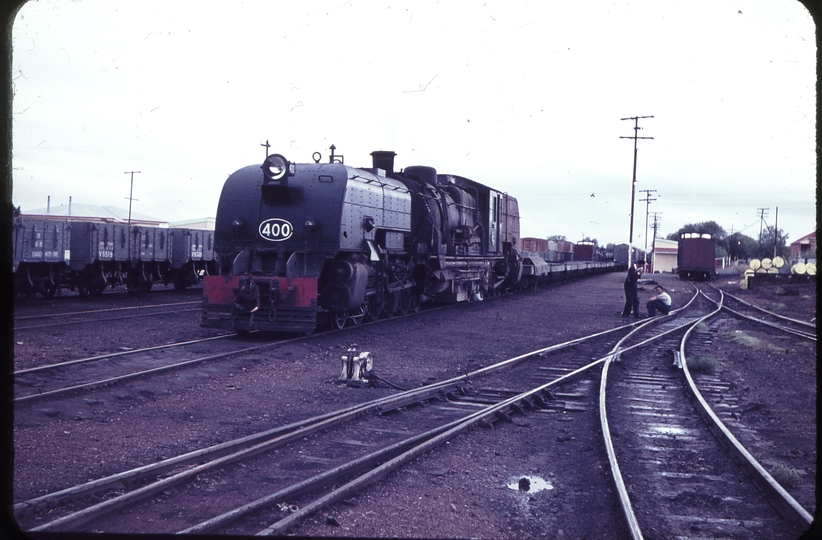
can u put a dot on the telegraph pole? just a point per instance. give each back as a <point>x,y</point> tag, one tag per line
<point>130,193</point>
<point>633,183</point>
<point>267,146</point>
<point>762,213</point>
<point>647,200</point>
<point>656,225</point>
<point>775,232</point>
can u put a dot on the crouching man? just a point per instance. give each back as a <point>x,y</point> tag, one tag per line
<point>661,302</point>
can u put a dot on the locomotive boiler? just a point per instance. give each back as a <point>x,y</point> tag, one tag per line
<point>299,244</point>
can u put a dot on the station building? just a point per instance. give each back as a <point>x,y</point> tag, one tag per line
<point>804,248</point>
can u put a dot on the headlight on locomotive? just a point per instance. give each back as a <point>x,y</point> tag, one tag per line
<point>237,225</point>
<point>276,170</point>
<point>311,225</point>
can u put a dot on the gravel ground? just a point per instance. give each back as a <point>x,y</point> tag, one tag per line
<point>456,491</point>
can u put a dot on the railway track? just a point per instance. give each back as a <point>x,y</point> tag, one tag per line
<point>680,471</point>
<point>66,296</point>
<point>457,409</point>
<point>101,371</point>
<point>104,315</point>
<point>267,483</point>
<point>85,374</point>
<point>753,313</point>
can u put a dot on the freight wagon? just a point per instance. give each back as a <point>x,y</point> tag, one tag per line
<point>90,256</point>
<point>695,256</point>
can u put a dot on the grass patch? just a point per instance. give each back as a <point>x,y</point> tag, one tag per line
<point>754,343</point>
<point>703,364</point>
<point>703,328</point>
<point>786,476</point>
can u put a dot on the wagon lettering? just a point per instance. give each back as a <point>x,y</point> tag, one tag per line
<point>276,229</point>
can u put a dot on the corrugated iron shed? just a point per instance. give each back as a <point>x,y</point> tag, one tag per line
<point>91,212</point>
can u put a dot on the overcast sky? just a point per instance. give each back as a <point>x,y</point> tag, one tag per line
<point>525,97</point>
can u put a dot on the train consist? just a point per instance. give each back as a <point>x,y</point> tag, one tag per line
<point>89,256</point>
<point>695,256</point>
<point>298,244</point>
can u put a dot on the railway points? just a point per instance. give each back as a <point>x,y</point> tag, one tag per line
<point>463,477</point>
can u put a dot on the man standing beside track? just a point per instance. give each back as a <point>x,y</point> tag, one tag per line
<point>631,294</point>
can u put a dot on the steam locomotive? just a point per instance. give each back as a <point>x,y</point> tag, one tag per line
<point>299,244</point>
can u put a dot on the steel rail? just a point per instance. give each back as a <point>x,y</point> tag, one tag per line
<point>285,524</point>
<point>771,313</point>
<point>160,467</point>
<point>32,317</point>
<point>789,507</point>
<point>785,329</point>
<point>316,482</point>
<point>622,491</point>
<point>798,333</point>
<point>114,380</point>
<point>445,434</point>
<point>259,442</point>
<point>119,353</point>
<point>89,321</point>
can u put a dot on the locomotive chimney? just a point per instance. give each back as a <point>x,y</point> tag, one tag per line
<point>383,159</point>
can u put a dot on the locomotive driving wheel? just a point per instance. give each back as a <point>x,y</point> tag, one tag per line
<point>392,307</point>
<point>415,302</point>
<point>358,315</point>
<point>406,302</point>
<point>374,308</point>
<point>337,320</point>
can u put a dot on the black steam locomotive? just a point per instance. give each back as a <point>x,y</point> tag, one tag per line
<point>298,244</point>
